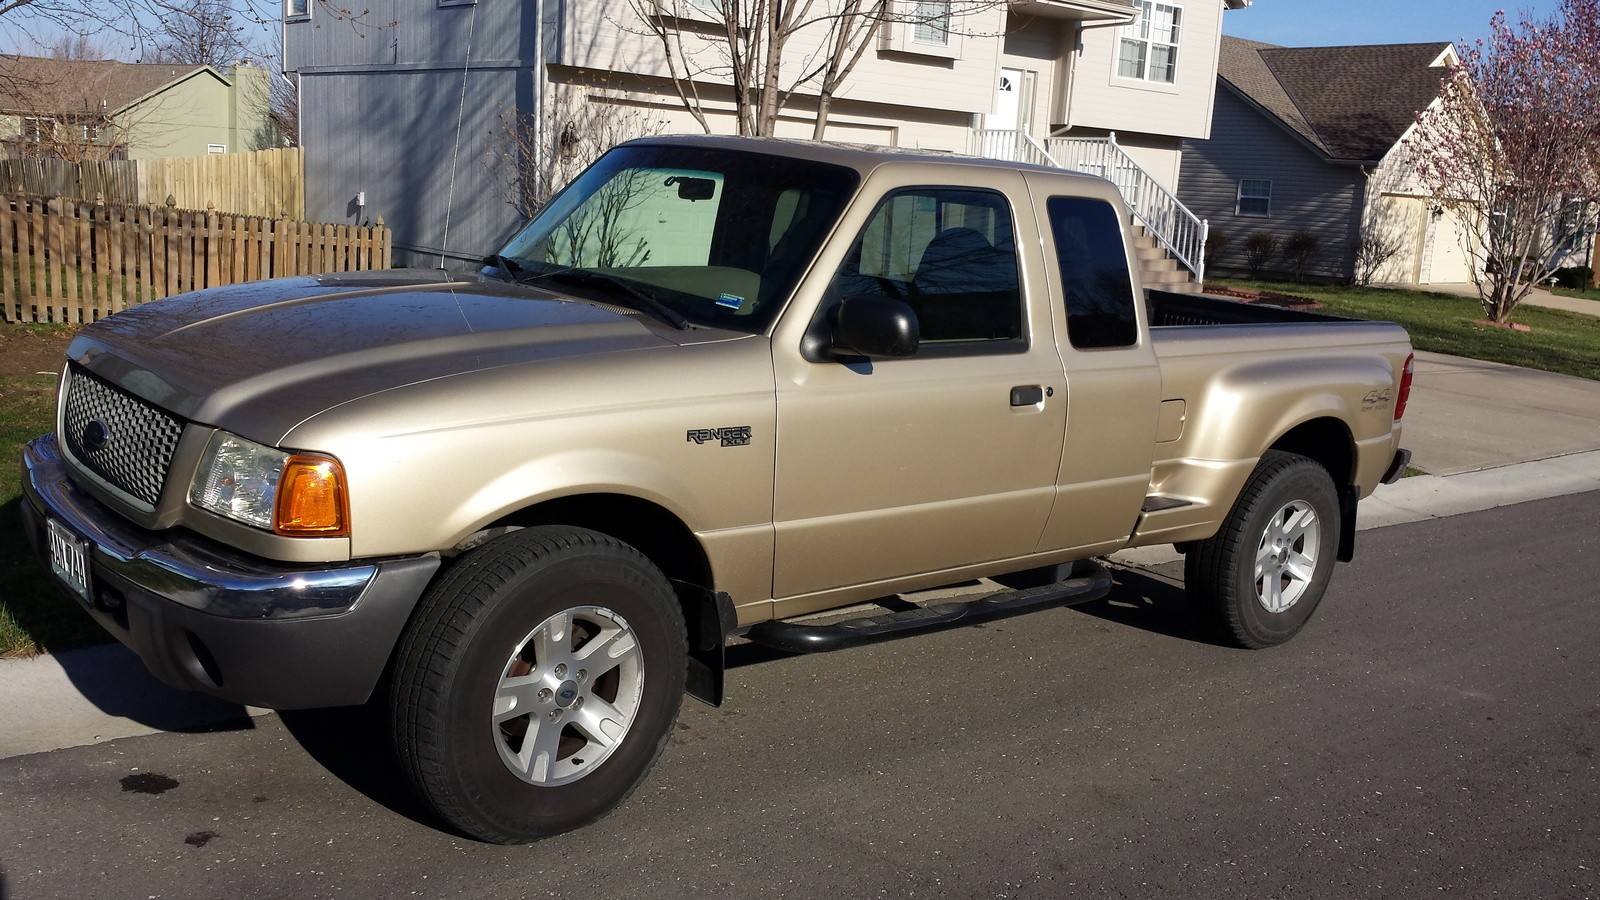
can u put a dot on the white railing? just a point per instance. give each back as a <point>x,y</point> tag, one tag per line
<point>1174,227</point>
<point>1172,224</point>
<point>1011,145</point>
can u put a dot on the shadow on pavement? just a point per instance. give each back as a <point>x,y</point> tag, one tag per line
<point>1150,604</point>
<point>113,679</point>
<point>352,743</point>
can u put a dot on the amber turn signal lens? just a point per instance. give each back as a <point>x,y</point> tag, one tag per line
<point>311,499</point>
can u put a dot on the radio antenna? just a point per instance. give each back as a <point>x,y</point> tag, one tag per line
<point>455,152</point>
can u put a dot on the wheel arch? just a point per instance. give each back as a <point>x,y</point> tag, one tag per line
<point>1328,442</point>
<point>670,544</point>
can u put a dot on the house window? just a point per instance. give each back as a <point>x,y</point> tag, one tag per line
<point>1255,197</point>
<point>38,129</point>
<point>216,148</point>
<point>296,10</point>
<point>931,22</point>
<point>1149,49</point>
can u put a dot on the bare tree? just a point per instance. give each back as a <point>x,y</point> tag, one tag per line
<point>1378,244</point>
<point>283,110</point>
<point>75,46</point>
<point>535,159</point>
<point>1512,147</point>
<point>746,46</point>
<point>200,32</point>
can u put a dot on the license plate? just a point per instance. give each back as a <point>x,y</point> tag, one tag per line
<point>69,558</point>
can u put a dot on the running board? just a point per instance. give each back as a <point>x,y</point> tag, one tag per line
<point>1091,583</point>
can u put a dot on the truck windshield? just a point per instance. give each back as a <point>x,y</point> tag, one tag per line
<point>717,236</point>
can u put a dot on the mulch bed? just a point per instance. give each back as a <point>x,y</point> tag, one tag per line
<point>1271,298</point>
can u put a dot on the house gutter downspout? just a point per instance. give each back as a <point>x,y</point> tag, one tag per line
<point>1070,79</point>
<point>538,91</point>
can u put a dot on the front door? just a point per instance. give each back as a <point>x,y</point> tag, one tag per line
<point>1007,101</point>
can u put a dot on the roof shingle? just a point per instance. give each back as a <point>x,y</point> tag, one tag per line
<point>32,84</point>
<point>1351,103</point>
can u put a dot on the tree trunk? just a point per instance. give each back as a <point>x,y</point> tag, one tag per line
<point>824,101</point>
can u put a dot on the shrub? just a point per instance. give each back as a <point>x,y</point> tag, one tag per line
<point>1217,242</point>
<point>1258,248</point>
<point>1575,277</point>
<point>1298,250</point>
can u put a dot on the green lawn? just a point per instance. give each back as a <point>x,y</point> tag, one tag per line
<point>1590,293</point>
<point>34,616</point>
<point>1564,342</point>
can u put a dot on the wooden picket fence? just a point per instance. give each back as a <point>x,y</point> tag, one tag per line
<point>74,261</point>
<point>267,183</point>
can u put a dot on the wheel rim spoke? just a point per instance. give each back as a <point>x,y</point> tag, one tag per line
<point>600,722</point>
<point>607,650</point>
<point>553,639</point>
<point>1301,567</point>
<point>516,697</point>
<point>1299,524</point>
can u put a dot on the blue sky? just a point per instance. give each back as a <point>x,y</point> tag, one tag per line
<point>1314,23</point>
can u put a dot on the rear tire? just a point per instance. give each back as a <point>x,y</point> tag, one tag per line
<point>1257,581</point>
<point>538,683</point>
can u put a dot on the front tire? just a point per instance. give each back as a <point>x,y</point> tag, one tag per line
<point>538,683</point>
<point>1257,581</point>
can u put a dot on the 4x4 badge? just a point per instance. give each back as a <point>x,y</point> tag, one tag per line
<point>730,436</point>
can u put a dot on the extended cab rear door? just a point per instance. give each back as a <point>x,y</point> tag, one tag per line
<point>1113,376</point>
<point>898,467</point>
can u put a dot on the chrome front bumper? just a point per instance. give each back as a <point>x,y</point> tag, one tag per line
<point>206,617</point>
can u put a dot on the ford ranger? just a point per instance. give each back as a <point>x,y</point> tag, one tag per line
<point>716,386</point>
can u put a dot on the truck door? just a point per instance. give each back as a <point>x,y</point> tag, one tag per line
<point>1113,377</point>
<point>946,458</point>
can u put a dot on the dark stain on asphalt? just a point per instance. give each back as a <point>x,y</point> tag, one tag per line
<point>258,799</point>
<point>200,838</point>
<point>148,783</point>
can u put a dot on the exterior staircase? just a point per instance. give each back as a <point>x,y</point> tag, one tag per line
<point>1158,268</point>
<point>1169,239</point>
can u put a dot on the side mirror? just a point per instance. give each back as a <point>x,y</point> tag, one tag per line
<point>875,327</point>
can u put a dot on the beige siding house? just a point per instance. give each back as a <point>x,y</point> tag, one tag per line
<point>1112,87</point>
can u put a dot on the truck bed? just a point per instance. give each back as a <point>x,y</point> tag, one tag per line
<point>1169,309</point>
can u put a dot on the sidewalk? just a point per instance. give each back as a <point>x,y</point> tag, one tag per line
<point>1488,435</point>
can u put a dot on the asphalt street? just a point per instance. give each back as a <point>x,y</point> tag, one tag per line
<point>1433,730</point>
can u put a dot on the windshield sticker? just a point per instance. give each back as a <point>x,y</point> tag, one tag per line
<point>731,301</point>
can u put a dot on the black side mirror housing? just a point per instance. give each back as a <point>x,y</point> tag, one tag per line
<point>875,327</point>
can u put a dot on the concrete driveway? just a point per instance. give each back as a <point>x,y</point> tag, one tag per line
<point>1467,415</point>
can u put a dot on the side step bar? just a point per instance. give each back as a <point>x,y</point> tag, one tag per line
<point>1090,582</point>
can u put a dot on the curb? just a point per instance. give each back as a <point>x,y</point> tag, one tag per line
<point>102,693</point>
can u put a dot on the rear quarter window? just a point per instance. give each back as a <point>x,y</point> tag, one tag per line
<point>1095,283</point>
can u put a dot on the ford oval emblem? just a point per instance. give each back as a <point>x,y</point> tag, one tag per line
<point>96,435</point>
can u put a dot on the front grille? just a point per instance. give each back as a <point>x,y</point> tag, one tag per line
<point>117,436</point>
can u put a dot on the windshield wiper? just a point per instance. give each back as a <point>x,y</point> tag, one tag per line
<point>641,301</point>
<point>508,266</point>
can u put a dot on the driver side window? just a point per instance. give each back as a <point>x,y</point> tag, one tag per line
<point>948,253</point>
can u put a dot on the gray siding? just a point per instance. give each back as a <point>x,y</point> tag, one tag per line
<point>379,106</point>
<point>1307,191</point>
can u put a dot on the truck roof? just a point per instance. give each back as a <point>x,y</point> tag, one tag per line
<point>862,157</point>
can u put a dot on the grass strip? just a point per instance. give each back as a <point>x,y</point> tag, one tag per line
<point>1559,341</point>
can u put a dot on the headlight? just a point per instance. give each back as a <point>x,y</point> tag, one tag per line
<point>295,494</point>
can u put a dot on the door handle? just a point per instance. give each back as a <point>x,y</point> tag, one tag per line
<point>1027,395</point>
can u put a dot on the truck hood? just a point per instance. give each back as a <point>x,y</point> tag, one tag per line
<point>260,358</point>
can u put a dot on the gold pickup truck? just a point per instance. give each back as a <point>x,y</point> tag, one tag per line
<point>717,385</point>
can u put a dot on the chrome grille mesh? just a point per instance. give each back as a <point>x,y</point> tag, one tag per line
<point>139,439</point>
